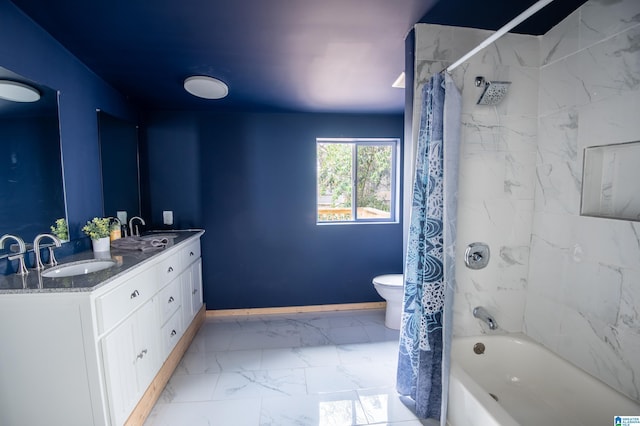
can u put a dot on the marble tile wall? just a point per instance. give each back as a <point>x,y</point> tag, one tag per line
<point>497,166</point>
<point>583,293</point>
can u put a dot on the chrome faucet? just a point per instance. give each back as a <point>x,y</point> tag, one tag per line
<point>36,250</point>
<point>22,250</point>
<point>482,314</point>
<point>137,229</point>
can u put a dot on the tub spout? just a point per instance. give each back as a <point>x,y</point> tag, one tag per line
<point>482,314</point>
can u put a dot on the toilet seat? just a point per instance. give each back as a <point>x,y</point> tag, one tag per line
<point>390,280</point>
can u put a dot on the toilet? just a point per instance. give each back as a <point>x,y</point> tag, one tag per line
<point>391,288</point>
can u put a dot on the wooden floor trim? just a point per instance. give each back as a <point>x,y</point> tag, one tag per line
<point>151,395</point>
<point>213,313</point>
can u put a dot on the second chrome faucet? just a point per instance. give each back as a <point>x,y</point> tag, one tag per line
<point>135,231</point>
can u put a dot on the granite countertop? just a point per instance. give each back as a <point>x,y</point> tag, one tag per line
<point>126,260</point>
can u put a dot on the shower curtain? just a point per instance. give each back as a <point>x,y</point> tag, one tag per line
<point>425,335</point>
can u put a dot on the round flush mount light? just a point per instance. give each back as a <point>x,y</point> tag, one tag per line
<point>18,92</point>
<point>206,87</point>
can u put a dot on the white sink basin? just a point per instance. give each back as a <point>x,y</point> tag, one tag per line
<point>77,268</point>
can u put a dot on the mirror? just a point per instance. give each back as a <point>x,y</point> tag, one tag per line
<point>31,183</point>
<point>120,170</point>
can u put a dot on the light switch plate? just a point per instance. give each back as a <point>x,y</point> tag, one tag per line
<point>167,217</point>
<point>122,217</point>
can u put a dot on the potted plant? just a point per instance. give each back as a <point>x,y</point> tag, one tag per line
<point>61,230</point>
<point>98,230</point>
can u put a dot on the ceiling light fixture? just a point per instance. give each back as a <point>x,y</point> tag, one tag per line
<point>206,87</point>
<point>18,92</point>
<point>399,83</point>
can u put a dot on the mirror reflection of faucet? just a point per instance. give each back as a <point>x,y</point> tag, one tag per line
<point>22,250</point>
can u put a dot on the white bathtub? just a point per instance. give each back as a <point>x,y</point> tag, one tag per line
<point>532,386</point>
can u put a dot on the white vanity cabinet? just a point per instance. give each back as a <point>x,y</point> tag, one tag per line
<point>88,357</point>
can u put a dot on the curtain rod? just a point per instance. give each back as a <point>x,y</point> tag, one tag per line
<point>506,28</point>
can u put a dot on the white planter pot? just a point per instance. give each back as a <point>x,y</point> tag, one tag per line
<point>102,245</point>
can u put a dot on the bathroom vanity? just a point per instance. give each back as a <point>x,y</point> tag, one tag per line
<point>97,349</point>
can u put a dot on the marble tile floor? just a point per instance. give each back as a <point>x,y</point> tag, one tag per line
<point>333,368</point>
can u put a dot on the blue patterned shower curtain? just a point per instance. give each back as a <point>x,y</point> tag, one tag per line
<point>425,335</point>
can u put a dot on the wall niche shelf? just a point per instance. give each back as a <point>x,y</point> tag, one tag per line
<point>611,181</point>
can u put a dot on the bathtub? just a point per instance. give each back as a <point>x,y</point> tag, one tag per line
<point>518,382</point>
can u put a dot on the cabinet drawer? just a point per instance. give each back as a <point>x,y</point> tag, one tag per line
<point>171,333</point>
<point>190,253</point>
<point>170,299</point>
<point>114,306</point>
<point>169,268</point>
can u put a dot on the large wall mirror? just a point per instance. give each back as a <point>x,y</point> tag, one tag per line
<point>31,183</point>
<point>120,165</point>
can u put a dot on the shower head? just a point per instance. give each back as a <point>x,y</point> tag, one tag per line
<point>493,92</point>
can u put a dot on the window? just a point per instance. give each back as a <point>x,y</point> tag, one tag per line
<point>357,180</point>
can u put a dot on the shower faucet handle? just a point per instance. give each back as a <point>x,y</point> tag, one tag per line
<point>476,256</point>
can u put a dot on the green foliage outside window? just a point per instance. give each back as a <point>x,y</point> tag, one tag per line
<point>374,177</point>
<point>372,180</point>
<point>335,173</point>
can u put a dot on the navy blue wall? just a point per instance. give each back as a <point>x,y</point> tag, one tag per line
<point>249,180</point>
<point>28,50</point>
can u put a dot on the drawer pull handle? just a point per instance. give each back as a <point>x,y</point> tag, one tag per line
<point>191,254</point>
<point>171,299</point>
<point>142,354</point>
<point>170,269</point>
<point>194,291</point>
<point>173,332</point>
<point>135,294</point>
